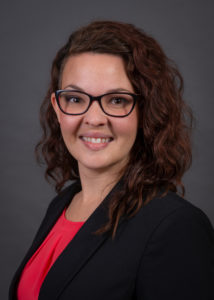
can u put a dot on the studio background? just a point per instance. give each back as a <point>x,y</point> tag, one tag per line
<point>31,33</point>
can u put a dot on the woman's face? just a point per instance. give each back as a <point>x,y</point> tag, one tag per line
<point>97,141</point>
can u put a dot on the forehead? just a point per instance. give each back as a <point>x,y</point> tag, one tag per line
<point>92,71</point>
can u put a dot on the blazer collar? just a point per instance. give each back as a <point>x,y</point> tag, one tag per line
<point>78,251</point>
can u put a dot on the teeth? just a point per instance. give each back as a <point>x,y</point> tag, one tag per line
<point>96,140</point>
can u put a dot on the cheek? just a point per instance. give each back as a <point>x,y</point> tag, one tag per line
<point>69,125</point>
<point>127,128</point>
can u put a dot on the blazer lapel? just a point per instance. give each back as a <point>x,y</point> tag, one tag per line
<point>77,253</point>
<point>53,213</point>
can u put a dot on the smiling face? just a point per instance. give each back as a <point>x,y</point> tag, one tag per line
<point>97,141</point>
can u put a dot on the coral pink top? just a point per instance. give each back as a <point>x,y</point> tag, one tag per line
<point>40,263</point>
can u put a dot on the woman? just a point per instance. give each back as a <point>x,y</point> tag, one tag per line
<point>115,123</point>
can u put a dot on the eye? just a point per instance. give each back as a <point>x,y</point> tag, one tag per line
<point>72,99</point>
<point>118,101</point>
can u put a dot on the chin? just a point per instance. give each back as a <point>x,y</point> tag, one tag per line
<point>96,166</point>
<point>101,166</point>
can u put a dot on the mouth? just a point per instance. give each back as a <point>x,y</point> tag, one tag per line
<point>94,140</point>
<point>96,143</point>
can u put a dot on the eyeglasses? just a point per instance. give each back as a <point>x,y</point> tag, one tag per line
<point>72,102</point>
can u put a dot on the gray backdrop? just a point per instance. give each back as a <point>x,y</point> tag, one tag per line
<point>31,33</point>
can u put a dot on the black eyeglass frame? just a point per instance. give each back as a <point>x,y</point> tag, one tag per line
<point>98,99</point>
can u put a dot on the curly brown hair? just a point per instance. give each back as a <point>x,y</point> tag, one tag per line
<point>162,150</point>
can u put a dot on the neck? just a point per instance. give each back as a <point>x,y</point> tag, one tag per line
<point>96,185</point>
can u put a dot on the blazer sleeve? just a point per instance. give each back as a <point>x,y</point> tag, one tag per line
<point>178,262</point>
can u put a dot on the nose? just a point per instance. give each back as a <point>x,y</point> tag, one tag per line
<point>95,116</point>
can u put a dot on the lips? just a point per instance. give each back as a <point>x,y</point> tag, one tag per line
<point>96,141</point>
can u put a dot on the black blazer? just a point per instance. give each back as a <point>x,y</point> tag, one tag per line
<point>166,251</point>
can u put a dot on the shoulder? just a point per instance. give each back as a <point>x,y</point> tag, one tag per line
<point>172,217</point>
<point>178,218</point>
<point>172,207</point>
<point>179,249</point>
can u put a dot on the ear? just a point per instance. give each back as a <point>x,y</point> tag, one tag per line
<point>55,106</point>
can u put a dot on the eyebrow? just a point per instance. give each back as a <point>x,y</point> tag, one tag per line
<point>76,87</point>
